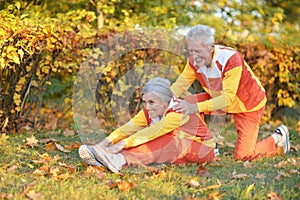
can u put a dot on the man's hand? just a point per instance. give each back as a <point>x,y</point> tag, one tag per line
<point>116,147</point>
<point>186,108</point>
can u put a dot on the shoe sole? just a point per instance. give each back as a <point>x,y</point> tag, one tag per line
<point>87,156</point>
<point>100,155</point>
<point>287,140</point>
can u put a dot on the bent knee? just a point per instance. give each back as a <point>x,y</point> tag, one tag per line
<point>243,156</point>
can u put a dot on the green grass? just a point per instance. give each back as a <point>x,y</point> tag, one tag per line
<point>254,180</point>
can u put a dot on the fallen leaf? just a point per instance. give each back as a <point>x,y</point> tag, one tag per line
<point>41,171</point>
<point>32,141</point>
<point>247,164</point>
<point>202,171</point>
<point>6,196</point>
<point>61,148</point>
<point>69,167</point>
<point>26,128</point>
<point>211,187</point>
<point>293,161</point>
<point>294,171</point>
<point>33,195</point>
<point>160,174</point>
<point>112,185</point>
<point>215,196</point>
<point>215,162</point>
<point>97,171</point>
<point>280,150</point>
<point>262,176</point>
<point>281,164</point>
<point>4,124</point>
<point>249,189</point>
<point>193,183</point>
<point>229,144</point>
<point>54,171</point>
<point>3,139</point>
<point>73,145</point>
<point>284,174</point>
<point>298,186</point>
<point>152,169</point>
<point>12,168</point>
<point>51,124</point>
<point>46,140</point>
<point>125,185</point>
<point>50,146</point>
<point>69,132</point>
<point>190,198</point>
<point>273,196</point>
<point>240,176</point>
<point>62,177</point>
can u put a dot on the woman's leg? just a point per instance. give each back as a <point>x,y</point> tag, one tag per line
<point>168,149</point>
<point>197,153</point>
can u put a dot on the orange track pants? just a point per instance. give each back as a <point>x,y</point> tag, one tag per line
<point>247,127</point>
<point>168,149</point>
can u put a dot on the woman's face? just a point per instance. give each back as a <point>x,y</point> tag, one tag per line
<point>154,105</point>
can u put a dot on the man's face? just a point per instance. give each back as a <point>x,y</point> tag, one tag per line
<point>201,53</point>
<point>154,105</point>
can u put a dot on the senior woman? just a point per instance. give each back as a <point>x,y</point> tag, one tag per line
<point>157,134</point>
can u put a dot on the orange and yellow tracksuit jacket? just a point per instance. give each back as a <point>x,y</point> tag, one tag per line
<point>229,81</point>
<point>142,129</point>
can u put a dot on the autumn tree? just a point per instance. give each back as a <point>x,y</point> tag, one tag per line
<point>44,42</point>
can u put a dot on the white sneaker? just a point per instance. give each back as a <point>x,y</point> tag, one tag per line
<point>284,141</point>
<point>86,154</point>
<point>113,162</point>
<point>216,150</point>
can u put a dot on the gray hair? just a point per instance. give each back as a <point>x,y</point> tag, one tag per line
<point>203,33</point>
<point>160,87</point>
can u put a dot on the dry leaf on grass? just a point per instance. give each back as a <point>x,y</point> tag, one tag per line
<point>3,138</point>
<point>216,186</point>
<point>34,195</point>
<point>273,196</point>
<point>261,176</point>
<point>122,185</point>
<point>71,168</point>
<point>282,175</point>
<point>247,164</point>
<point>69,132</point>
<point>193,183</point>
<point>97,171</point>
<point>61,148</point>
<point>32,141</point>
<point>215,196</point>
<point>202,171</point>
<point>240,176</point>
<point>160,174</point>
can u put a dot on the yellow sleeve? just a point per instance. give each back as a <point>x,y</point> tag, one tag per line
<point>168,123</point>
<point>137,123</point>
<point>184,81</point>
<point>230,85</point>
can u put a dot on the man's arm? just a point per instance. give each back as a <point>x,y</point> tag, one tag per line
<point>184,81</point>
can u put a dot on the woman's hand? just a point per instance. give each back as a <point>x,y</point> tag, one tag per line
<point>116,147</point>
<point>104,143</point>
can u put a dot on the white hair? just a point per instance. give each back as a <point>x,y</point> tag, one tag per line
<point>201,32</point>
<point>160,87</point>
